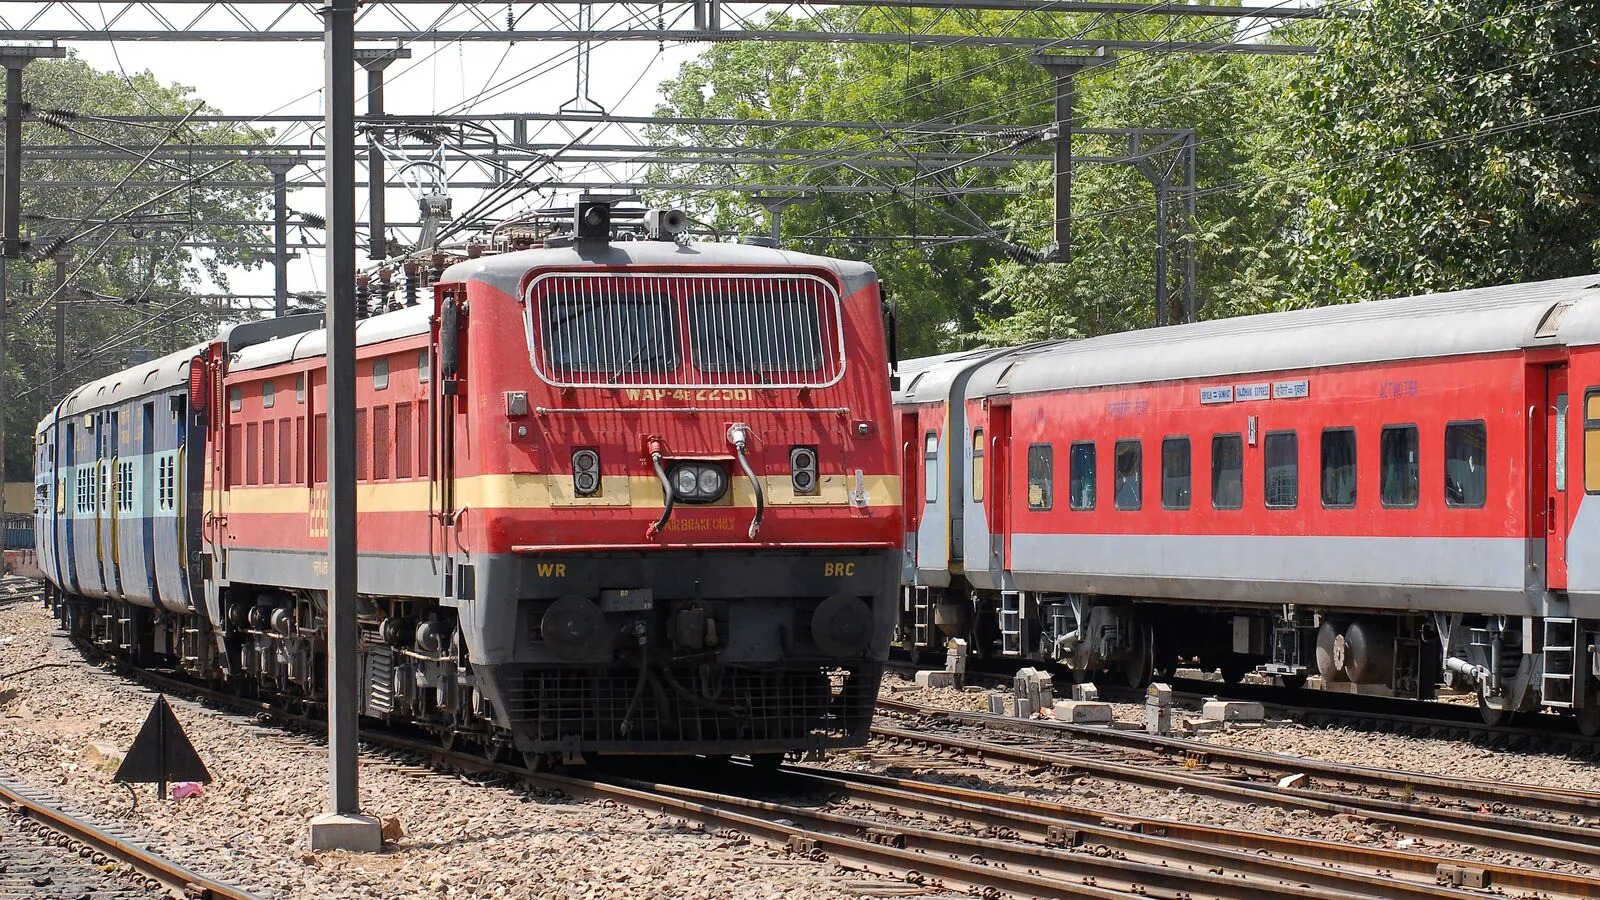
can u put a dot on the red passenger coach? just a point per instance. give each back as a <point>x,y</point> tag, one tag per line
<point>1390,494</point>
<point>617,497</point>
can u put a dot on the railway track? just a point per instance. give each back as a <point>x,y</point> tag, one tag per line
<point>1410,813</point>
<point>986,843</point>
<point>70,857</point>
<point>1551,805</point>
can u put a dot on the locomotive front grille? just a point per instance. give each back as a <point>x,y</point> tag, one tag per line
<point>797,707</point>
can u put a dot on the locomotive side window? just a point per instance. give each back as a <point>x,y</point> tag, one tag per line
<point>1591,441</point>
<point>1041,476</point>
<point>1397,477</point>
<point>380,374</point>
<point>1128,482</point>
<point>1282,470</point>
<point>1175,478</point>
<point>977,466</point>
<point>1082,482</point>
<point>930,468</point>
<point>1227,471</point>
<point>1466,473</point>
<point>1339,468</point>
<point>268,395</point>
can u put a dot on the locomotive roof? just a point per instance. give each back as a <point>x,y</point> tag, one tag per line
<point>506,270</point>
<point>167,372</point>
<point>1482,320</point>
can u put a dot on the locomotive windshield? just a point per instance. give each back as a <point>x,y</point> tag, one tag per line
<point>671,329</point>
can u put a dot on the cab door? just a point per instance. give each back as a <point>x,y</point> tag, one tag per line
<point>999,491</point>
<point>1556,517</point>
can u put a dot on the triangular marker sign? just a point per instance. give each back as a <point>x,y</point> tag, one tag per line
<point>161,753</point>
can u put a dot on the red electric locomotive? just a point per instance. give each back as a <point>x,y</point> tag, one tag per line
<point>615,496</point>
<point>1390,494</point>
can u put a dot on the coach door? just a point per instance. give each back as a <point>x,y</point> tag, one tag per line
<point>1556,415</point>
<point>997,499</point>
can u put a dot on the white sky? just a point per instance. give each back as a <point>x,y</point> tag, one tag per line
<point>258,78</point>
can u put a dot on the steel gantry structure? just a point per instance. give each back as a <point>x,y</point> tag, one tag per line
<point>513,157</point>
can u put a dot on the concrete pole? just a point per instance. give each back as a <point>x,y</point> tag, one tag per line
<point>375,61</point>
<point>1064,69</point>
<point>343,826</point>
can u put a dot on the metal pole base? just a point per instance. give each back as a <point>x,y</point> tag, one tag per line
<point>336,831</point>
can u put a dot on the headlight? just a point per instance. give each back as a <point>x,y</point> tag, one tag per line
<point>687,481</point>
<point>711,481</point>
<point>698,482</point>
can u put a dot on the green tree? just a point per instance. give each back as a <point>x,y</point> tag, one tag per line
<point>124,242</point>
<point>1447,144</point>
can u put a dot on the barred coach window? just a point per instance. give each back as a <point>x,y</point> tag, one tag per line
<point>1128,486</point>
<point>1466,474</point>
<point>1227,471</point>
<point>1282,452</point>
<point>1339,468</point>
<point>1175,473</point>
<point>1397,476</point>
<point>1041,476</point>
<point>1082,486</point>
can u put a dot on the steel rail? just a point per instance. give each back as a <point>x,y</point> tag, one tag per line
<point>926,857</point>
<point>1090,822</point>
<point>1535,798</point>
<point>1542,839</point>
<point>169,874</point>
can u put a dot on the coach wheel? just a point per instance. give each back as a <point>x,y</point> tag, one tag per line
<point>1234,670</point>
<point>1293,682</point>
<point>535,762</point>
<point>1139,667</point>
<point>1589,713</point>
<point>447,739</point>
<point>1493,710</point>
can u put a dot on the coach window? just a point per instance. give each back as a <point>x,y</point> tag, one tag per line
<point>1591,441</point>
<point>1339,468</point>
<point>1175,478</point>
<point>977,466</point>
<point>1397,476</point>
<point>1082,483</point>
<point>267,395</point>
<point>1227,471</point>
<point>1282,452</point>
<point>930,467</point>
<point>380,375</point>
<point>1128,483</point>
<point>1466,477</point>
<point>1041,476</point>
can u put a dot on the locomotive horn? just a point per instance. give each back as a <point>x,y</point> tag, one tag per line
<point>664,224</point>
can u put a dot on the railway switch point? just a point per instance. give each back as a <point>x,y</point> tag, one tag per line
<point>335,831</point>
<point>934,678</point>
<point>1232,711</point>
<point>1083,712</point>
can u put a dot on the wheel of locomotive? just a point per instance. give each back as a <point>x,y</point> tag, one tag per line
<point>1588,715</point>
<point>1492,710</point>
<point>766,762</point>
<point>534,761</point>
<point>1293,682</point>
<point>495,752</point>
